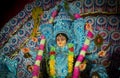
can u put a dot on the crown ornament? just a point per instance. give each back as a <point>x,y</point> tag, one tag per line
<point>62,24</point>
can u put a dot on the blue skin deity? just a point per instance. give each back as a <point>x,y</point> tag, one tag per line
<point>61,62</point>
<point>61,55</point>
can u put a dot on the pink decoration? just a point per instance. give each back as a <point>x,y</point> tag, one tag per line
<point>36,70</point>
<point>80,58</point>
<point>85,47</point>
<point>90,34</point>
<point>77,16</point>
<point>39,57</point>
<point>36,67</point>
<point>42,37</point>
<point>54,13</point>
<point>76,72</point>
<point>41,47</point>
<point>36,73</point>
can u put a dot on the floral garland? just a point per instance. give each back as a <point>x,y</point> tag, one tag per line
<point>80,58</point>
<point>83,50</point>
<point>82,54</point>
<point>52,62</point>
<point>36,67</point>
<point>54,14</point>
<point>70,60</point>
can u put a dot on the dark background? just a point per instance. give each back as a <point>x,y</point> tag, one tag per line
<point>10,8</point>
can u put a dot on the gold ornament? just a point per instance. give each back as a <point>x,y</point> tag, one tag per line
<point>36,13</point>
<point>98,40</point>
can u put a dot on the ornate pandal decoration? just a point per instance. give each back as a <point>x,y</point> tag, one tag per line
<point>36,17</point>
<point>85,46</point>
<point>98,40</point>
<point>70,57</point>
<point>36,66</point>
<point>70,54</point>
<point>36,13</point>
<point>52,53</point>
<point>82,55</point>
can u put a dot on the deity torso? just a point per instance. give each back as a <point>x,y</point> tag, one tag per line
<point>61,61</point>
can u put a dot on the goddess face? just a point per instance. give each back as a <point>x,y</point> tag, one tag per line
<point>61,40</point>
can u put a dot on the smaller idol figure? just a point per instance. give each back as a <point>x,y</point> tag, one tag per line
<point>64,56</point>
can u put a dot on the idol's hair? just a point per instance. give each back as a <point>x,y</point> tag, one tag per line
<point>63,34</point>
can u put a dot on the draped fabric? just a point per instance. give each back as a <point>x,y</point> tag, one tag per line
<point>61,61</point>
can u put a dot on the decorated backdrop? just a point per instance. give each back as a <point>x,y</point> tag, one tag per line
<point>104,16</point>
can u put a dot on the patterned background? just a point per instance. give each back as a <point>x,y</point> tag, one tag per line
<point>107,24</point>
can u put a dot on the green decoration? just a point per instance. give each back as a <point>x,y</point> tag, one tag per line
<point>98,40</point>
